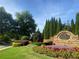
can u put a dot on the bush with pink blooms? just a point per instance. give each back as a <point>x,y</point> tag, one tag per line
<point>64,53</point>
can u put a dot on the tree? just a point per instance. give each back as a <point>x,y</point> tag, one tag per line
<point>77,24</point>
<point>78,35</point>
<point>51,27</point>
<point>59,25</point>
<point>6,21</point>
<point>26,23</point>
<point>47,29</point>
<point>54,26</point>
<point>39,36</point>
<point>56,22</point>
<point>66,26</point>
<point>73,26</point>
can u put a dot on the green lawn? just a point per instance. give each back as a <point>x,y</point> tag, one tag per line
<point>21,53</point>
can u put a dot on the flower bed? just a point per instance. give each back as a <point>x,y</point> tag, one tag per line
<point>65,53</point>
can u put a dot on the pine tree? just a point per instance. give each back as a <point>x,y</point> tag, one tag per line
<point>46,30</point>
<point>67,26</point>
<point>77,24</point>
<point>59,25</point>
<point>52,27</point>
<point>56,22</point>
<point>54,30</point>
<point>72,26</point>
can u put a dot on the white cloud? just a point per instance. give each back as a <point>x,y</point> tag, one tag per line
<point>10,7</point>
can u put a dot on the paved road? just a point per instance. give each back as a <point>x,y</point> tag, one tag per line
<point>2,46</point>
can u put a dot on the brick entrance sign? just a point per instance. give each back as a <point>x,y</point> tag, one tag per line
<point>66,38</point>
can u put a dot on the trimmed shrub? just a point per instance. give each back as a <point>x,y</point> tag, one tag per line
<point>48,43</point>
<point>22,42</point>
<point>37,43</point>
<point>24,38</point>
<point>16,44</point>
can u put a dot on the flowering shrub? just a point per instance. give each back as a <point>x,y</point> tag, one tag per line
<point>57,52</point>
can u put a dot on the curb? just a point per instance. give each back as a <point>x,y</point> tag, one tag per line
<point>5,48</point>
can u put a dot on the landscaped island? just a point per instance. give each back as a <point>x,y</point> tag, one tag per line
<point>40,29</point>
<point>24,52</point>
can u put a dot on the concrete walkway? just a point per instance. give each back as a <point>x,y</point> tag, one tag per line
<point>4,47</point>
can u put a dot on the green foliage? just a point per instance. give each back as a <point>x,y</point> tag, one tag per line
<point>6,21</point>
<point>43,44</point>
<point>22,42</point>
<point>51,28</point>
<point>26,23</point>
<point>45,51</point>
<point>24,38</point>
<point>77,24</point>
<point>46,30</point>
<point>64,53</point>
<point>59,25</point>
<point>75,55</point>
<point>73,26</point>
<point>1,36</point>
<point>35,37</point>
<point>48,43</point>
<point>22,53</point>
<point>37,43</point>
<point>5,38</point>
<point>13,35</point>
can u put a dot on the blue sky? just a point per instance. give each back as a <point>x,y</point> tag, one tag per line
<point>43,9</point>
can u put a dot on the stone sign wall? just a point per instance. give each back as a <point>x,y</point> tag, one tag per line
<point>65,38</point>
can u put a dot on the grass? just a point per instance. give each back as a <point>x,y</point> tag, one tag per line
<point>24,52</point>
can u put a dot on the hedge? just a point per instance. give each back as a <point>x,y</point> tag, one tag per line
<point>16,44</point>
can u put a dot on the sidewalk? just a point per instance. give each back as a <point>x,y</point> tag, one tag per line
<point>5,48</point>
